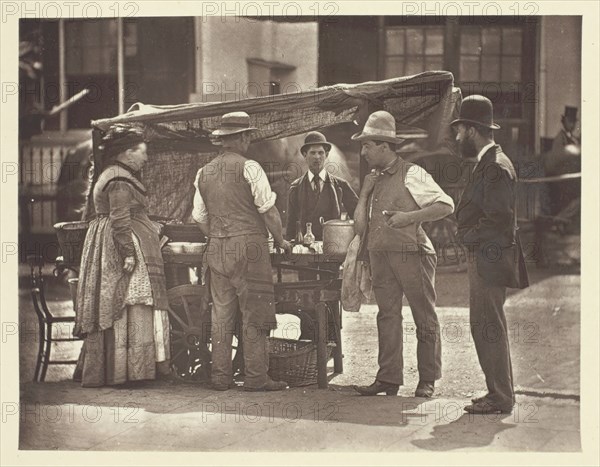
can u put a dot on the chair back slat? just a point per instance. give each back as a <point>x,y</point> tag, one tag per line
<point>46,320</point>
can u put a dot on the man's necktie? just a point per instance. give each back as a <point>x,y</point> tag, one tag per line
<point>317,184</point>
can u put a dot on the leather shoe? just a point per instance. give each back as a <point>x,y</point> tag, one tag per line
<point>376,388</point>
<point>222,387</point>
<point>477,400</point>
<point>485,407</point>
<point>425,389</point>
<point>270,385</point>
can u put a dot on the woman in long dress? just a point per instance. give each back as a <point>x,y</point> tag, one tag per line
<point>121,298</point>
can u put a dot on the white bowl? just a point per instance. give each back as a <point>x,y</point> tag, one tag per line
<point>194,248</point>
<point>177,247</point>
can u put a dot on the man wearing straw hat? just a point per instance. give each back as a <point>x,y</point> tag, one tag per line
<point>487,226</point>
<point>235,208</point>
<point>395,199</point>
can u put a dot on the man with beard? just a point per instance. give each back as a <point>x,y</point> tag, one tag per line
<point>487,226</point>
<point>394,200</point>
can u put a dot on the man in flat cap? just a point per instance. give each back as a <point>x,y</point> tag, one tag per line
<point>235,208</point>
<point>487,226</point>
<point>394,200</point>
<point>317,193</point>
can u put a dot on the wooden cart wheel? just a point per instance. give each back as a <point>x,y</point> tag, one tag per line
<point>190,319</point>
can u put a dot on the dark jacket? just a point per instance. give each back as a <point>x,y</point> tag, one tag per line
<point>303,205</point>
<point>487,221</point>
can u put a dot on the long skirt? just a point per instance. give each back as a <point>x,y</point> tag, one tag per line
<point>130,349</point>
<point>127,351</point>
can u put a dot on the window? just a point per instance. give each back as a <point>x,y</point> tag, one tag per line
<point>490,54</point>
<point>412,50</point>
<point>91,47</point>
<point>91,62</point>
<point>158,68</point>
<point>491,63</point>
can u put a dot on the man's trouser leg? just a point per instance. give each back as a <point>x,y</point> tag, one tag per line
<point>224,308</point>
<point>252,278</point>
<point>490,335</point>
<point>256,355</point>
<point>388,293</point>
<point>416,273</point>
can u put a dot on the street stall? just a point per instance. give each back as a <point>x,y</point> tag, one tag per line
<point>179,145</point>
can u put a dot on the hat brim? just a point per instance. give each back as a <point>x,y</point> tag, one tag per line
<point>231,131</point>
<point>400,137</point>
<point>492,126</point>
<point>327,146</point>
<point>360,136</point>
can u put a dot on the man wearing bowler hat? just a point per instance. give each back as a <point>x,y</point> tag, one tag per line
<point>234,206</point>
<point>317,194</point>
<point>396,197</point>
<point>487,226</point>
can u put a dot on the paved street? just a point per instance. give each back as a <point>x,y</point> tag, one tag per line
<point>545,336</point>
<point>187,418</point>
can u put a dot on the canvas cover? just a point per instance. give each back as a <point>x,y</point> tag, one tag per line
<point>179,142</point>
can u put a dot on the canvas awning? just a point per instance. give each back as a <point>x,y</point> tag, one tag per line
<point>426,100</point>
<point>179,134</point>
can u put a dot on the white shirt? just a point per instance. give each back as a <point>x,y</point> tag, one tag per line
<point>424,188</point>
<point>264,197</point>
<point>322,178</point>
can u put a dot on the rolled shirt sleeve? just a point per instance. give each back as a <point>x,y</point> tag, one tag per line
<point>424,189</point>
<point>264,197</point>
<point>199,213</point>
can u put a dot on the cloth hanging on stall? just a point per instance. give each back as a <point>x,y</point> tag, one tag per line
<point>356,279</point>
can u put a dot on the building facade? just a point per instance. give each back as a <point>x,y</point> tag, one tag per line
<point>530,67</point>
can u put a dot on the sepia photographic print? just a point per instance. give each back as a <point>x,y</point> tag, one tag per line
<point>346,233</point>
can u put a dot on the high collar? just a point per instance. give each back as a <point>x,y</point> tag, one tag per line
<point>484,149</point>
<point>322,175</point>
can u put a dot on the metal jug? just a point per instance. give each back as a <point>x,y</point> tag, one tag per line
<point>337,235</point>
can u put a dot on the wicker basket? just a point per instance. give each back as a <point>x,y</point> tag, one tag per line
<point>71,236</point>
<point>294,362</point>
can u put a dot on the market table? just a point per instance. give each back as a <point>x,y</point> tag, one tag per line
<point>320,298</point>
<point>317,300</point>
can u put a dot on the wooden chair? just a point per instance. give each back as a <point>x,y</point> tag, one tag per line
<point>46,322</point>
